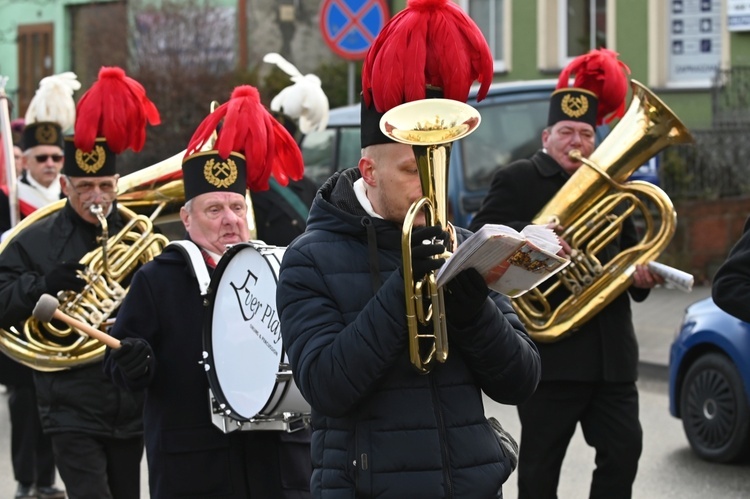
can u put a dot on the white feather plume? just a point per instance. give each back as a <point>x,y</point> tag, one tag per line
<point>53,100</point>
<point>303,101</point>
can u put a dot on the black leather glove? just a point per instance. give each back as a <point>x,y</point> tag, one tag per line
<point>465,295</point>
<point>421,254</point>
<point>134,357</point>
<point>64,277</point>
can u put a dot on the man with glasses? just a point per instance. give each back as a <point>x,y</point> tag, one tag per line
<point>42,159</point>
<point>50,113</point>
<point>96,428</point>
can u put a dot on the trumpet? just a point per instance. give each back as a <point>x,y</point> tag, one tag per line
<point>430,126</point>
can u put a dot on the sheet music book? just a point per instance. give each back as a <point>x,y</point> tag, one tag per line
<point>672,276</point>
<point>511,262</point>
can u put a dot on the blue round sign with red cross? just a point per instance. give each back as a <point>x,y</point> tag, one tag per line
<point>350,26</point>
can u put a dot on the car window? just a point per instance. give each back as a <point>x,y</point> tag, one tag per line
<point>320,156</point>
<point>509,131</point>
<point>317,153</point>
<point>349,148</point>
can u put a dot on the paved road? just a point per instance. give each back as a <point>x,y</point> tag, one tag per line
<point>656,321</point>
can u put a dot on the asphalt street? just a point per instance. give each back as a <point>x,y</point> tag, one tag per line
<point>656,321</point>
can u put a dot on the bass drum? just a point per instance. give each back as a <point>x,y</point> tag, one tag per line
<point>251,384</point>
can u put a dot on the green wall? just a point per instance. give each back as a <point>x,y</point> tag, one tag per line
<point>740,48</point>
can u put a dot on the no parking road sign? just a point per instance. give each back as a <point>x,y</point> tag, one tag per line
<point>350,26</point>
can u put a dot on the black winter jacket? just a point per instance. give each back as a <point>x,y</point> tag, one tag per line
<point>80,399</point>
<point>379,428</point>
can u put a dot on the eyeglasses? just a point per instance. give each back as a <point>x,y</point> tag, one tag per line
<point>42,158</point>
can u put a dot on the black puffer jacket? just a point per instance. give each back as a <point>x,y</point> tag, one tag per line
<point>379,428</point>
<point>80,399</point>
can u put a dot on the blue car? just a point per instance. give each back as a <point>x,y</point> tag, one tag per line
<point>709,382</point>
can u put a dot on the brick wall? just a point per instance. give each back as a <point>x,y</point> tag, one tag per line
<point>706,231</point>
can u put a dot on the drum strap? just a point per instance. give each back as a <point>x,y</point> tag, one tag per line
<point>193,254</point>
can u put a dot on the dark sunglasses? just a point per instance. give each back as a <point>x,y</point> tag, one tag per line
<point>42,158</point>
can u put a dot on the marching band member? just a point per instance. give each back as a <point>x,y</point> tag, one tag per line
<point>380,429</point>
<point>588,377</point>
<point>51,112</point>
<point>96,428</point>
<point>161,321</point>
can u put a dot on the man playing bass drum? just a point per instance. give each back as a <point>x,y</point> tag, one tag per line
<point>589,376</point>
<point>161,322</point>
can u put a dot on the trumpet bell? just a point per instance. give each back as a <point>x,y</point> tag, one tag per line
<point>430,122</point>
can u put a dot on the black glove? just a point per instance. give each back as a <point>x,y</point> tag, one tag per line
<point>421,254</point>
<point>465,295</point>
<point>134,357</point>
<point>64,277</point>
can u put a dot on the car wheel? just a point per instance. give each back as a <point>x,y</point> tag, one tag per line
<point>714,409</point>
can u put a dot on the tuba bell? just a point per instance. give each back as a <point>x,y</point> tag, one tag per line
<point>592,206</point>
<point>430,126</point>
<point>47,347</point>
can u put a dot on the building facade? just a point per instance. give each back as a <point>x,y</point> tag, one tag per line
<point>673,46</point>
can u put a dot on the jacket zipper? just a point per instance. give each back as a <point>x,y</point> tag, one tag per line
<point>441,435</point>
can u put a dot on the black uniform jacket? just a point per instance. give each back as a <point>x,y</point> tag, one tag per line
<point>187,455</point>
<point>605,348</point>
<point>81,399</point>
<point>731,287</point>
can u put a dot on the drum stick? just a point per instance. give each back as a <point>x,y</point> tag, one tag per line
<point>46,310</point>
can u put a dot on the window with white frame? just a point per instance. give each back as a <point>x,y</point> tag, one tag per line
<point>583,26</point>
<point>490,17</point>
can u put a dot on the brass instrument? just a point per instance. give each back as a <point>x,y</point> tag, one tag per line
<point>44,346</point>
<point>430,126</point>
<point>592,206</point>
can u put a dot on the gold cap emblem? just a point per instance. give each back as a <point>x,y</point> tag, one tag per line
<point>222,174</point>
<point>46,134</point>
<point>91,162</point>
<point>574,106</point>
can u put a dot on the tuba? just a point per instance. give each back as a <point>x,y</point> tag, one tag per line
<point>430,126</point>
<point>109,268</point>
<point>592,206</point>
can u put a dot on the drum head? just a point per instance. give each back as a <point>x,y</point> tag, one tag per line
<point>242,337</point>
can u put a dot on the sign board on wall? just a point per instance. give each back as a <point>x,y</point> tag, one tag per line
<point>694,40</point>
<point>738,15</point>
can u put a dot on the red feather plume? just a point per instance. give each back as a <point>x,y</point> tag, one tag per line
<point>116,108</point>
<point>431,42</point>
<point>249,129</point>
<point>600,72</point>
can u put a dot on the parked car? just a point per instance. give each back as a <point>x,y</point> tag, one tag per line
<point>513,117</point>
<point>709,382</point>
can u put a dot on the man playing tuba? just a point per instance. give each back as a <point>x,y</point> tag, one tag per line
<point>96,428</point>
<point>588,377</point>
